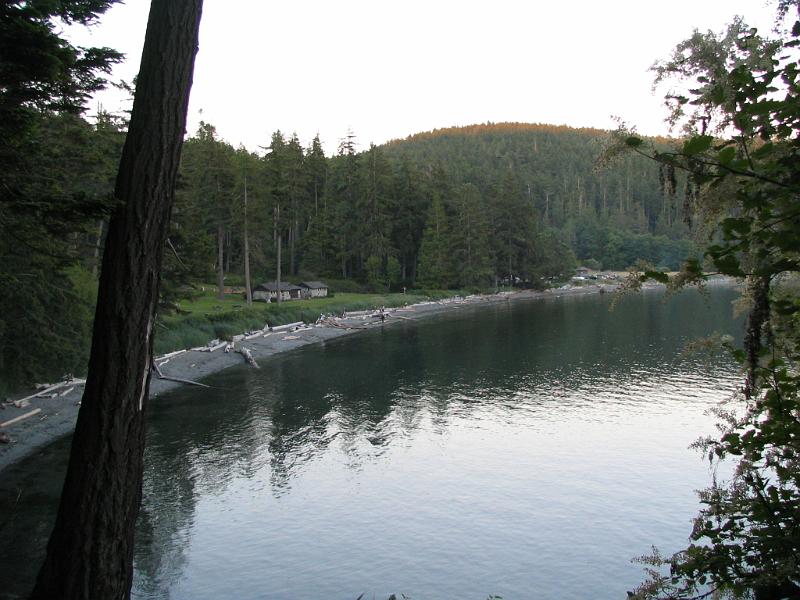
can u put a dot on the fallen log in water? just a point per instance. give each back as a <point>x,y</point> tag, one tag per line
<point>161,375</point>
<point>187,381</point>
<point>157,369</point>
<point>248,356</point>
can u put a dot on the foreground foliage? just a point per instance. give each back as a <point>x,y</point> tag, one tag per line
<point>742,156</point>
<point>49,217</point>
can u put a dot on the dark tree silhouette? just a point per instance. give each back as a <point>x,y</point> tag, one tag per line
<point>90,553</point>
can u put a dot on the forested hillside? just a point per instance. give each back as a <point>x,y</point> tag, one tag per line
<point>609,216</point>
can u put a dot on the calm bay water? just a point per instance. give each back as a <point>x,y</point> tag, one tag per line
<point>528,450</point>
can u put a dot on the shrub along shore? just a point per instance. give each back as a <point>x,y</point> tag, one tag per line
<point>207,318</point>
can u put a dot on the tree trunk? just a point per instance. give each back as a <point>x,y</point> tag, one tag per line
<point>90,553</point>
<point>296,239</point>
<point>228,250</point>
<point>291,248</point>
<point>220,262</point>
<point>248,289</point>
<point>278,274</point>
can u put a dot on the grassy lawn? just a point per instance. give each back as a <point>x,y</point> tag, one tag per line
<point>206,318</point>
<point>208,303</point>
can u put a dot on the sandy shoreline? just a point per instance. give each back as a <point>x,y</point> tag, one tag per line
<point>57,415</point>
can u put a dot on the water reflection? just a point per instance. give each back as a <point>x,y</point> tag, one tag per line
<point>460,452</point>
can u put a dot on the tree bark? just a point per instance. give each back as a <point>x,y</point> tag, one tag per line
<point>90,553</point>
<point>97,246</point>
<point>228,250</point>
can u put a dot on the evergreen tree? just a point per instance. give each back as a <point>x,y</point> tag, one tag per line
<point>470,248</point>
<point>297,198</point>
<point>316,176</point>
<point>342,196</point>
<point>407,209</point>
<point>40,71</point>
<point>318,243</point>
<point>207,193</point>
<point>45,211</point>
<point>278,188</point>
<point>373,219</point>
<point>435,266</point>
<point>513,228</point>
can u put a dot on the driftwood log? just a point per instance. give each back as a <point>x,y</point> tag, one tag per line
<point>288,326</point>
<point>35,411</point>
<point>47,391</point>
<point>161,375</point>
<point>248,356</point>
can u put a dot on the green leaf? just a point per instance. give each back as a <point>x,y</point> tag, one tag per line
<point>764,151</point>
<point>657,276</point>
<point>633,141</point>
<point>697,145</point>
<point>728,265</point>
<point>734,228</point>
<point>726,155</point>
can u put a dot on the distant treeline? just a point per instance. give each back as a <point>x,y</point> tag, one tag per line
<point>457,208</point>
<point>452,208</point>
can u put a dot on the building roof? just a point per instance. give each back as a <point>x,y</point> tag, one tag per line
<point>272,286</point>
<point>314,285</point>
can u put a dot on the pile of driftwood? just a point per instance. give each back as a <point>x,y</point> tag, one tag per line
<point>50,390</point>
<point>43,390</point>
<point>368,316</point>
<point>232,345</point>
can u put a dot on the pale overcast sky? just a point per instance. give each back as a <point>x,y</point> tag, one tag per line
<point>388,69</point>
